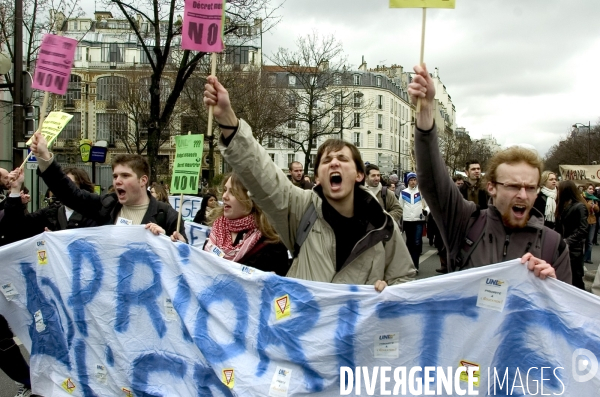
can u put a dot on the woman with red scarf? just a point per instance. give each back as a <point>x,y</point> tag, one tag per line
<point>241,232</point>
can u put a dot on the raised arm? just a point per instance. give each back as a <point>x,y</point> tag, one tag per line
<point>14,216</point>
<point>86,203</point>
<point>283,203</point>
<point>449,209</point>
<point>24,225</point>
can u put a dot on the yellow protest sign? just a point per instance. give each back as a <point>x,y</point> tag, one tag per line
<point>53,124</point>
<point>422,3</point>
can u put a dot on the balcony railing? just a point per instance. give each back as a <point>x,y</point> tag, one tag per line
<point>113,65</point>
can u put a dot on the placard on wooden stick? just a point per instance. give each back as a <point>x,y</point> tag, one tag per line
<point>187,165</point>
<point>203,24</point>
<point>54,63</point>
<point>424,4</point>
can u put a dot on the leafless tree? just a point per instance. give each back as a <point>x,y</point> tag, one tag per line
<point>39,17</point>
<point>319,92</point>
<point>161,45</point>
<point>252,99</point>
<point>574,148</point>
<point>134,101</point>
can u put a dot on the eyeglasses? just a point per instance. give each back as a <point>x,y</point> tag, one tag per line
<point>516,188</point>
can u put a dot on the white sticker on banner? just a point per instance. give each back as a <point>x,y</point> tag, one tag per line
<point>281,382</point>
<point>101,373</point>
<point>492,294</point>
<point>9,291</point>
<point>247,271</point>
<point>386,345</point>
<point>215,250</point>
<point>39,321</point>
<point>124,222</point>
<point>170,312</point>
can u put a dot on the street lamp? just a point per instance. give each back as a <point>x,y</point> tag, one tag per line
<point>589,127</point>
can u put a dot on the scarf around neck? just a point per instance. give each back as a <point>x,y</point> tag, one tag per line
<point>375,189</point>
<point>220,237</point>
<point>550,203</point>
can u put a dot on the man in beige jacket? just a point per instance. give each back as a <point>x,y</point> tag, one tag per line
<point>352,241</point>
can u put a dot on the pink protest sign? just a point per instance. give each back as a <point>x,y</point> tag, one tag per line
<point>54,63</point>
<point>202,25</point>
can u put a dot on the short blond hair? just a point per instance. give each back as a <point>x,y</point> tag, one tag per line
<point>545,176</point>
<point>514,155</point>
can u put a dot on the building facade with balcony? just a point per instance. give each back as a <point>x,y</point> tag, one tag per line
<point>111,74</point>
<point>369,108</point>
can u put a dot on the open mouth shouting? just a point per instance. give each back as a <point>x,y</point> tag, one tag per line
<point>335,181</point>
<point>519,210</point>
<point>120,194</point>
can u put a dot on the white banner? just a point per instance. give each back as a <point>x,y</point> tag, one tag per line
<point>117,311</point>
<point>196,233</point>
<point>580,173</point>
<point>189,205</point>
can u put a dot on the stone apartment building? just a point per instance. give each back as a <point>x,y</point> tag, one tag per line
<point>111,76</point>
<point>368,107</point>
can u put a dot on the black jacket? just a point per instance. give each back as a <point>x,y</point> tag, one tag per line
<point>53,217</point>
<point>9,228</point>
<point>540,205</point>
<point>105,209</point>
<point>573,226</point>
<point>268,258</point>
<point>265,257</point>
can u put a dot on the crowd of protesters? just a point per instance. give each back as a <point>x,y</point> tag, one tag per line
<point>347,224</point>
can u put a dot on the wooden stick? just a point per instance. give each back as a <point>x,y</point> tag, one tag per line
<point>213,72</point>
<point>422,50</point>
<point>179,214</point>
<point>180,202</point>
<point>42,117</point>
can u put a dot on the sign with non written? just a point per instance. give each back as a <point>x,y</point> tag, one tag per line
<point>187,164</point>
<point>202,25</point>
<point>422,3</point>
<point>54,123</point>
<point>54,63</point>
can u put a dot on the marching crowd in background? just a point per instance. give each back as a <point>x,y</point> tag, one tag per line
<point>348,224</point>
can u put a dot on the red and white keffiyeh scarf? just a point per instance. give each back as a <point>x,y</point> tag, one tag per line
<point>220,237</point>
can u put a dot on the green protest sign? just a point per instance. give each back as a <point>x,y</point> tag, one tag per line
<point>187,164</point>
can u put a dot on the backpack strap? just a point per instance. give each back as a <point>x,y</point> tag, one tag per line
<point>306,223</point>
<point>383,194</point>
<point>474,235</point>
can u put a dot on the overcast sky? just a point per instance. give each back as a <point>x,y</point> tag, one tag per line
<point>521,70</point>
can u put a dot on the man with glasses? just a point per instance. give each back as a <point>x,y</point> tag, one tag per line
<point>508,228</point>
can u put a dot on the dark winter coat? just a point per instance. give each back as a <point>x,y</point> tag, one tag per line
<point>573,226</point>
<point>104,209</point>
<point>454,217</point>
